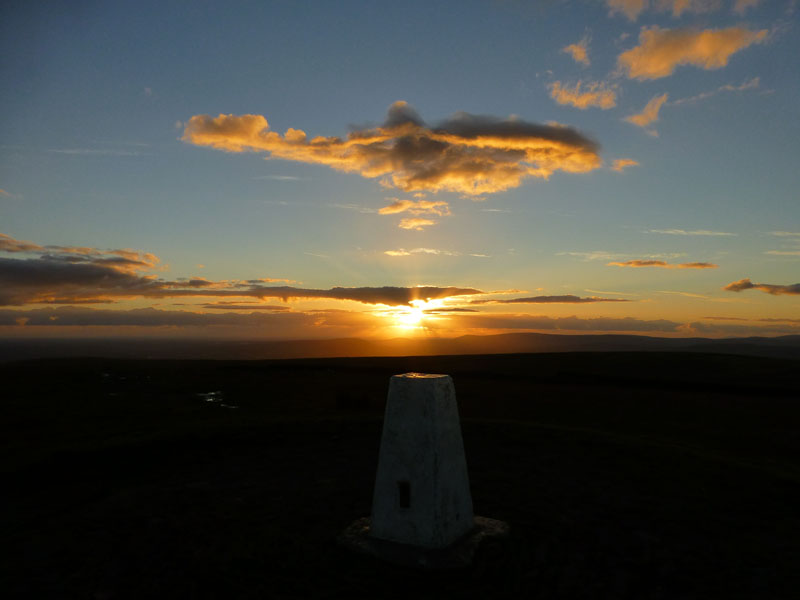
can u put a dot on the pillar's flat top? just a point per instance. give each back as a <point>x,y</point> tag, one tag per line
<point>421,375</point>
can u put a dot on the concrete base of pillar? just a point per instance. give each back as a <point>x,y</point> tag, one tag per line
<point>457,555</point>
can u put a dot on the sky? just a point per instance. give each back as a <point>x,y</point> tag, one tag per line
<point>313,169</point>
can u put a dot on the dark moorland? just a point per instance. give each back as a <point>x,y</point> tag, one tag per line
<point>642,475</point>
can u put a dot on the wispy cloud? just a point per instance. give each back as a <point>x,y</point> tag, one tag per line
<point>416,207</point>
<point>705,232</point>
<point>783,252</point>
<point>769,288</point>
<point>604,255</point>
<point>434,251</point>
<point>661,51</point>
<point>415,223</point>
<point>565,299</point>
<point>686,294</point>
<point>593,94</point>
<point>663,264</point>
<point>593,255</point>
<point>579,51</point>
<point>574,323</point>
<point>742,6</point>
<point>280,177</point>
<point>649,114</point>
<point>750,84</point>
<point>760,320</point>
<point>740,329</point>
<point>270,280</point>
<point>630,8</point>
<point>678,7</point>
<point>610,293</point>
<point>469,154</point>
<point>95,152</point>
<point>633,8</point>
<point>356,207</point>
<point>785,233</point>
<point>620,164</point>
<point>248,307</point>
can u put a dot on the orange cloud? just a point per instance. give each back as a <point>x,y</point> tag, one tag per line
<point>469,154</point>
<point>594,94</point>
<point>417,207</point>
<point>9,244</point>
<point>630,8</point>
<point>579,51</point>
<point>621,164</point>
<point>769,288</point>
<point>416,223</point>
<point>121,260</point>
<point>660,51</point>
<point>649,114</point>
<point>663,264</point>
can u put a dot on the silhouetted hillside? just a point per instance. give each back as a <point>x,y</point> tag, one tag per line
<point>509,343</point>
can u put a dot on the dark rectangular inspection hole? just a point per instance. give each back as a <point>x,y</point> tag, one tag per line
<point>404,494</point>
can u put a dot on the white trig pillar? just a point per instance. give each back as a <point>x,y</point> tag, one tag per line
<point>421,495</point>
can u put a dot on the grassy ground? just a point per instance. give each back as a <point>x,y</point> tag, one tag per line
<point>622,476</point>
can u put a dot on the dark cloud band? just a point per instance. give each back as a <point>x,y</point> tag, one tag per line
<point>769,288</point>
<point>49,280</point>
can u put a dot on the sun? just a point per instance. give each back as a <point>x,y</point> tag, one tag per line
<point>415,316</point>
<point>410,318</point>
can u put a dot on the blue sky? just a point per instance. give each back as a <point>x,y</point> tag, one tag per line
<point>94,152</point>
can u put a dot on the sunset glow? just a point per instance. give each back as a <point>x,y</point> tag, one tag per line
<point>410,318</point>
<point>334,170</point>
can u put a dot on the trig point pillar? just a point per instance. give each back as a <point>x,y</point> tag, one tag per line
<point>422,492</point>
<point>421,506</point>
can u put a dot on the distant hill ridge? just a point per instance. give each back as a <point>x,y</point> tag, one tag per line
<point>507,343</point>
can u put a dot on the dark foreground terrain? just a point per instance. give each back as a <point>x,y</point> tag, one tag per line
<point>622,475</point>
